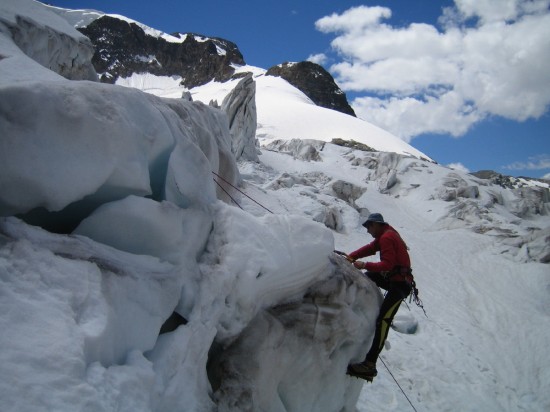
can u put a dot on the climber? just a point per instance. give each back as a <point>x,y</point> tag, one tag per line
<point>393,273</point>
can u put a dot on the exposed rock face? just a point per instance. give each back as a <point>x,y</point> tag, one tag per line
<point>240,107</point>
<point>529,200</point>
<point>352,144</point>
<point>123,48</point>
<point>509,182</point>
<point>316,83</point>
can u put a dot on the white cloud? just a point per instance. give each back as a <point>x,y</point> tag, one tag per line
<point>458,166</point>
<point>355,19</point>
<point>533,163</point>
<point>410,116</point>
<point>490,58</point>
<point>319,58</point>
<point>498,10</point>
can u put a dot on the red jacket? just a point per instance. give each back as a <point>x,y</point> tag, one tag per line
<point>393,251</point>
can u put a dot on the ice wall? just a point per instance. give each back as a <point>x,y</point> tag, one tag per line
<point>125,179</point>
<point>240,107</point>
<point>291,357</point>
<point>47,39</point>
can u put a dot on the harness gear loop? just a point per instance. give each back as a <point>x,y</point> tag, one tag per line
<point>399,274</point>
<point>414,297</point>
<point>404,274</point>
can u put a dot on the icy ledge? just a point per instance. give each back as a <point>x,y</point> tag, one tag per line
<point>125,179</point>
<point>84,318</point>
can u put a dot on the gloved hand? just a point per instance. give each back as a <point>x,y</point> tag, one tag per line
<point>359,264</point>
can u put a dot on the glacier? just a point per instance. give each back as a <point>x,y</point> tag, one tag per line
<point>112,221</point>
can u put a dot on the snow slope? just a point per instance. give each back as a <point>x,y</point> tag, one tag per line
<point>283,111</point>
<point>83,310</point>
<point>482,345</point>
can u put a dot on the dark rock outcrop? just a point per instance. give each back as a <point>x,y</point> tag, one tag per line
<point>507,182</point>
<point>316,83</point>
<point>496,178</point>
<point>352,144</point>
<point>123,48</point>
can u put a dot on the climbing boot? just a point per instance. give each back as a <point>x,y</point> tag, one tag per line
<point>364,370</point>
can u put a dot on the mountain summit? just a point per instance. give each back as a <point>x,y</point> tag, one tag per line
<point>123,47</point>
<point>315,82</point>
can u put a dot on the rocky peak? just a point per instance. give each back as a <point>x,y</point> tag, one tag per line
<point>316,83</point>
<point>505,181</point>
<point>123,48</point>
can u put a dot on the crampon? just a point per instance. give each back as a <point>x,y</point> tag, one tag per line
<point>362,371</point>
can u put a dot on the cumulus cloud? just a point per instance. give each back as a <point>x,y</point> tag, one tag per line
<point>487,57</point>
<point>355,19</point>
<point>319,58</point>
<point>458,166</point>
<point>533,163</point>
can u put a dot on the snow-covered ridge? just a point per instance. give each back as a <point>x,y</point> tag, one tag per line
<point>82,18</point>
<point>283,111</point>
<point>33,36</point>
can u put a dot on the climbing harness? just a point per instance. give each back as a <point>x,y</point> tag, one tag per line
<point>397,274</point>
<point>414,297</point>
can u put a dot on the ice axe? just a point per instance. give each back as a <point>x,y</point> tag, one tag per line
<point>348,258</point>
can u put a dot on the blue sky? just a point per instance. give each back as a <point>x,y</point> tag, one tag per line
<point>465,82</point>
